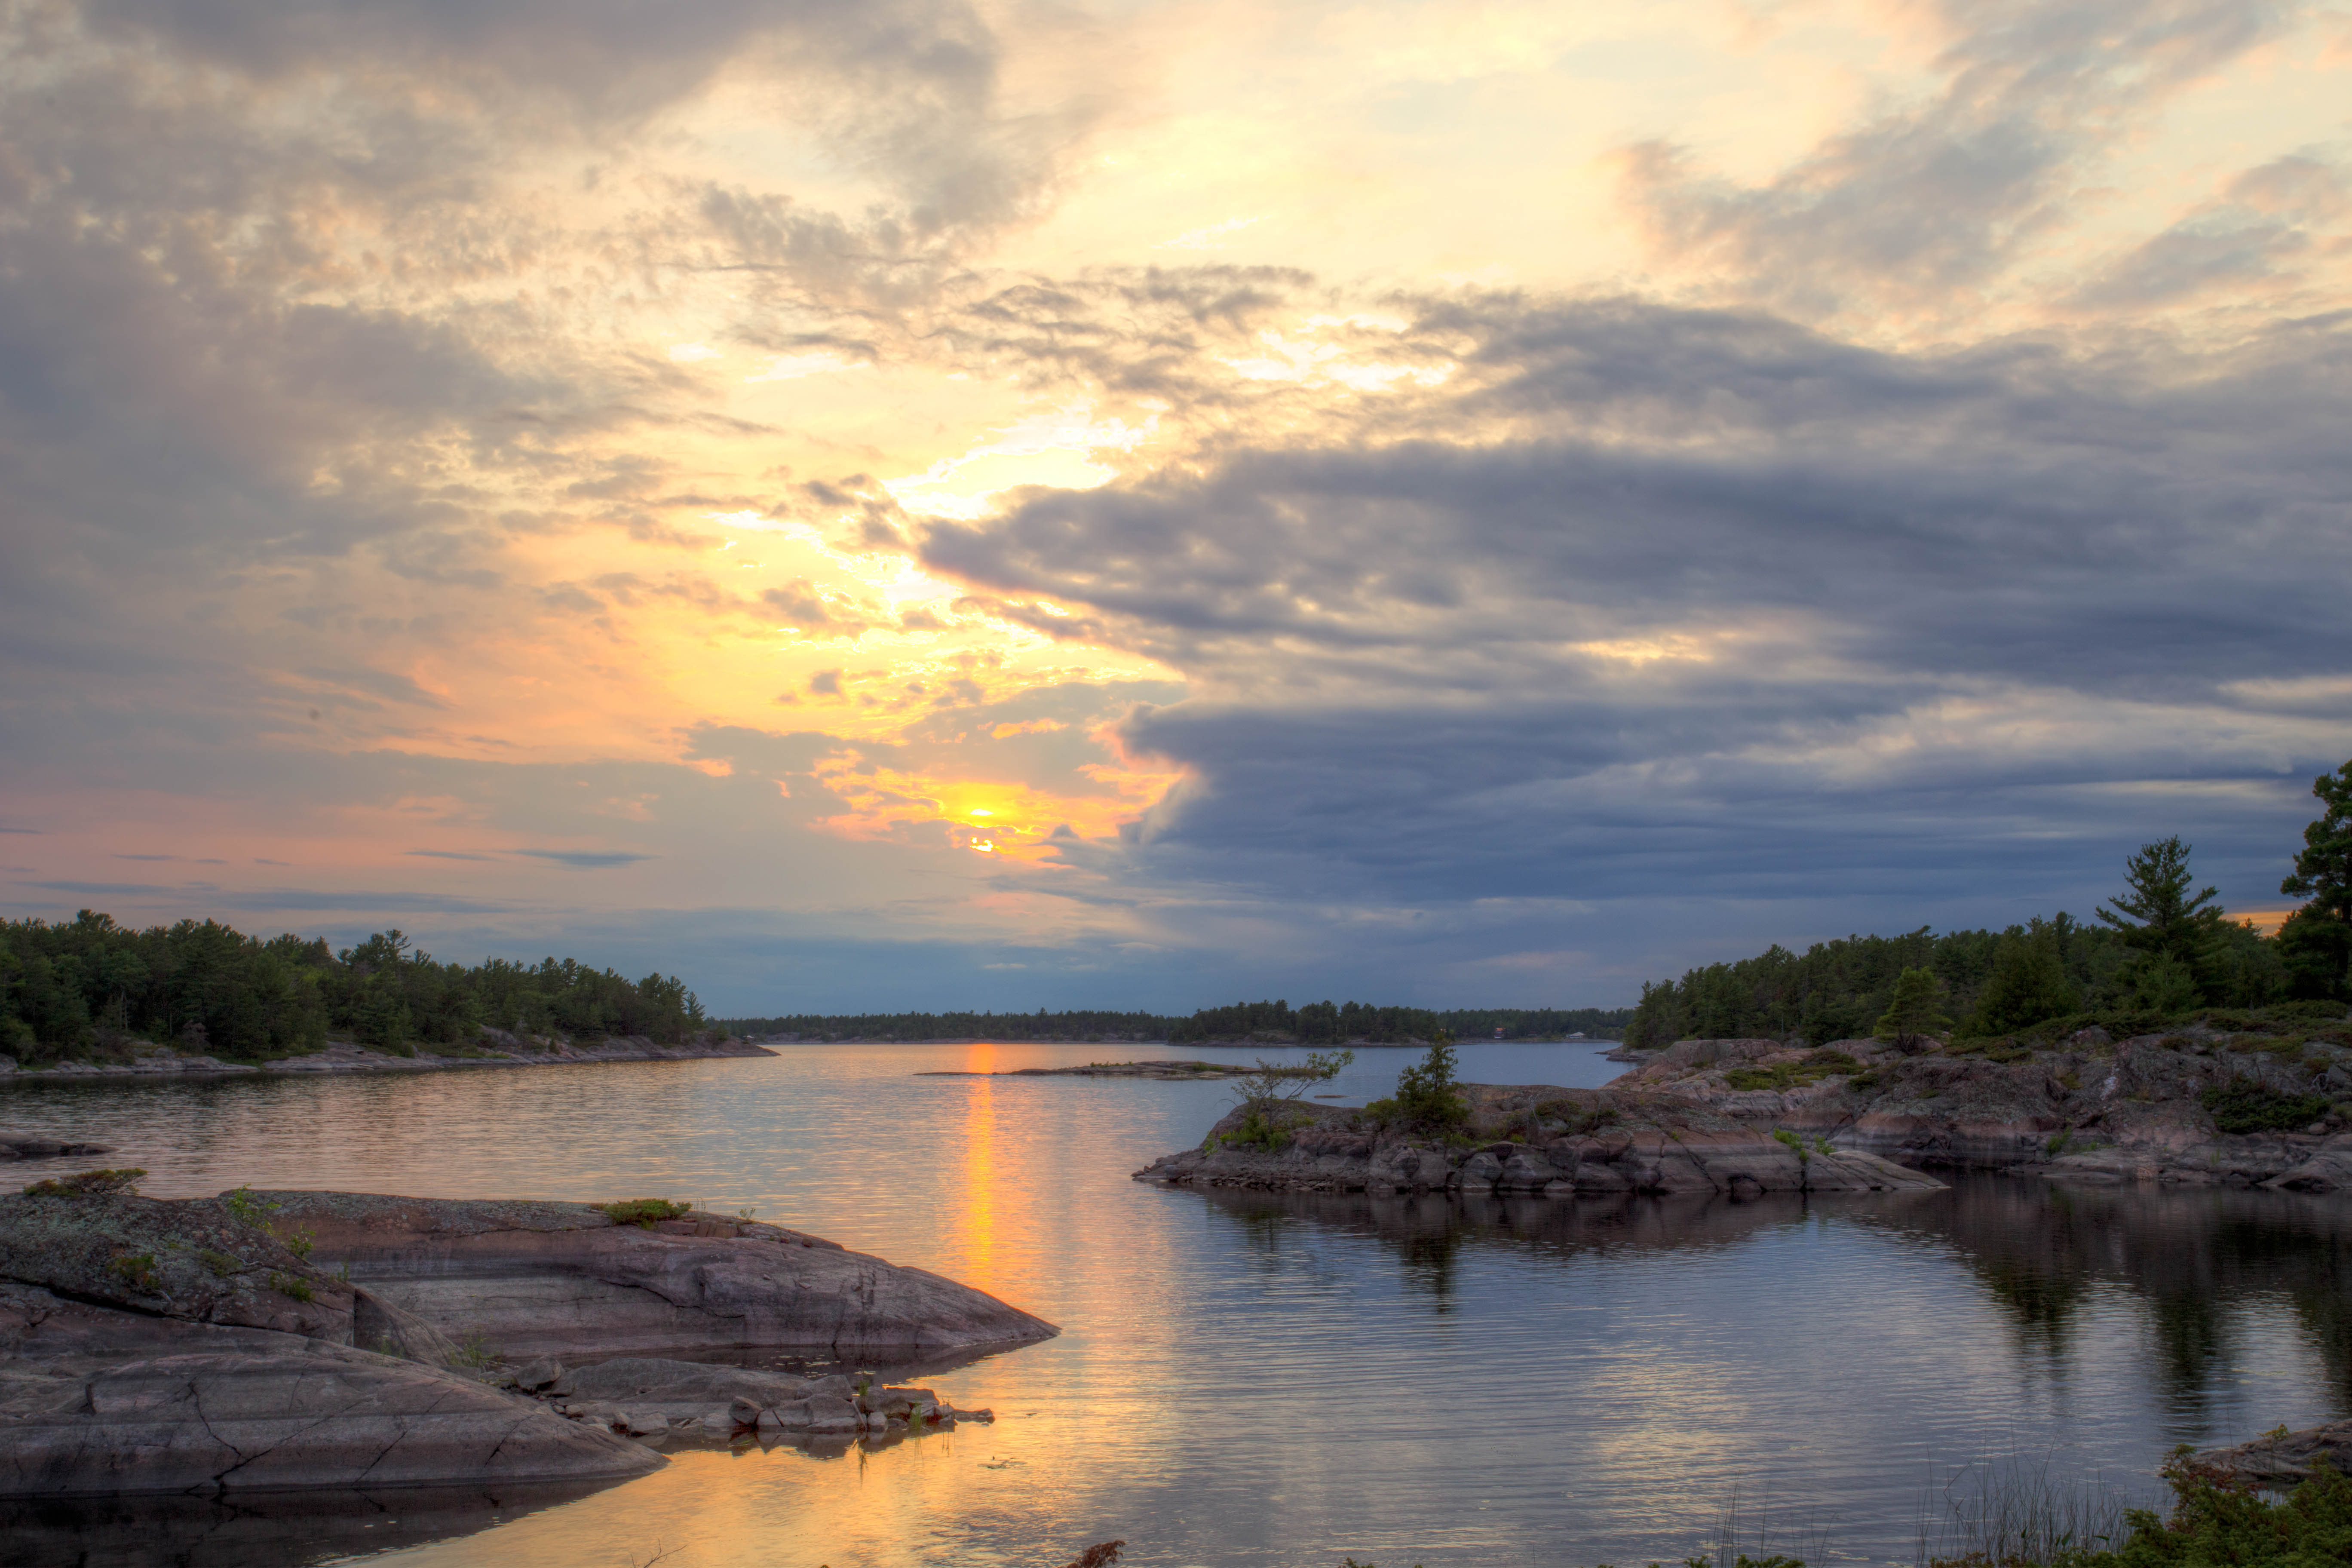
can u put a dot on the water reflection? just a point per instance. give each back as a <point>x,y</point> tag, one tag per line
<point>2199,1264</point>
<point>253,1527</point>
<point>2203,1261</point>
<point>1277,1379</point>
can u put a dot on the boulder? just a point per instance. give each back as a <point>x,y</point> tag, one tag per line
<point>535,1375</point>
<point>791,1416</point>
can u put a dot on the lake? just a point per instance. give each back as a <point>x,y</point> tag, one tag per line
<point>1275,1379</point>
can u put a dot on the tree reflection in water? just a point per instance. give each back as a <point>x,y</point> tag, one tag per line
<point>2193,1259</point>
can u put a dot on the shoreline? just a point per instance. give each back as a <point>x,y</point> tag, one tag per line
<point>345,1057</point>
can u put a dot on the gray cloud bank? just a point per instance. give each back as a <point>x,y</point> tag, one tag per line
<point>1738,611</point>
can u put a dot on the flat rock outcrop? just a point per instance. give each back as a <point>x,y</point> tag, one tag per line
<point>2089,1110</point>
<point>298,1340</point>
<point>1536,1139</point>
<point>547,1278</point>
<point>95,1401</point>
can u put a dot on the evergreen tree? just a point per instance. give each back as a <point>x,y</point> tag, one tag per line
<point>2027,982</point>
<point>2315,945</point>
<point>2323,869</point>
<point>2158,917</point>
<point>1912,1013</point>
<point>2162,983</point>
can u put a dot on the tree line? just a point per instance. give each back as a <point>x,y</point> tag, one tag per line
<point>90,986</point>
<point>1272,1023</point>
<point>2161,949</point>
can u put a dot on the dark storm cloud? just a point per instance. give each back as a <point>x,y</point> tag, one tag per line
<point>1741,609</point>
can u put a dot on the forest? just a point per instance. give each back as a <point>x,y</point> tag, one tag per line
<point>2157,950</point>
<point>90,987</point>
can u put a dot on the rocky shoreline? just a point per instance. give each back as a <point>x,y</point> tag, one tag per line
<point>1748,1116</point>
<point>275,1341</point>
<point>1528,1138</point>
<point>2148,1108</point>
<point>498,1049</point>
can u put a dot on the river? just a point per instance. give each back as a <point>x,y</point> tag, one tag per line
<point>1258,1378</point>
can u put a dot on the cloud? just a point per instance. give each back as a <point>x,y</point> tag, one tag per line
<point>587,860</point>
<point>1739,606</point>
<point>2264,225</point>
<point>1943,196</point>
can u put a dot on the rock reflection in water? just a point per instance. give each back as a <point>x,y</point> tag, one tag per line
<point>257,1529</point>
<point>1431,1232</point>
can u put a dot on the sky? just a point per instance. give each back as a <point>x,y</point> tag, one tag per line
<point>909,505</point>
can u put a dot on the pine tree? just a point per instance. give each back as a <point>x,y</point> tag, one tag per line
<point>2317,943</point>
<point>2157,916</point>
<point>2027,982</point>
<point>1912,1013</point>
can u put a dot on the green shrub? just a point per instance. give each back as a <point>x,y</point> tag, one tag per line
<point>88,1183</point>
<point>1426,1093</point>
<point>292,1285</point>
<point>1262,1127</point>
<point>245,1208</point>
<point>1817,1065</point>
<point>645,1212</point>
<point>138,1271</point>
<point>2307,1012</point>
<point>2125,1025</point>
<point>2245,1106</point>
<point>220,1263</point>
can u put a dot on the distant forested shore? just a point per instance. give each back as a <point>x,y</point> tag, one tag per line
<point>2157,950</point>
<point>88,988</point>
<point>1244,1022</point>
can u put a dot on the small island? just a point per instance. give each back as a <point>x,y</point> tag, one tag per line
<point>1163,1068</point>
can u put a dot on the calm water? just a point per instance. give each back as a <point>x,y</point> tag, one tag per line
<point>1280,1380</point>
